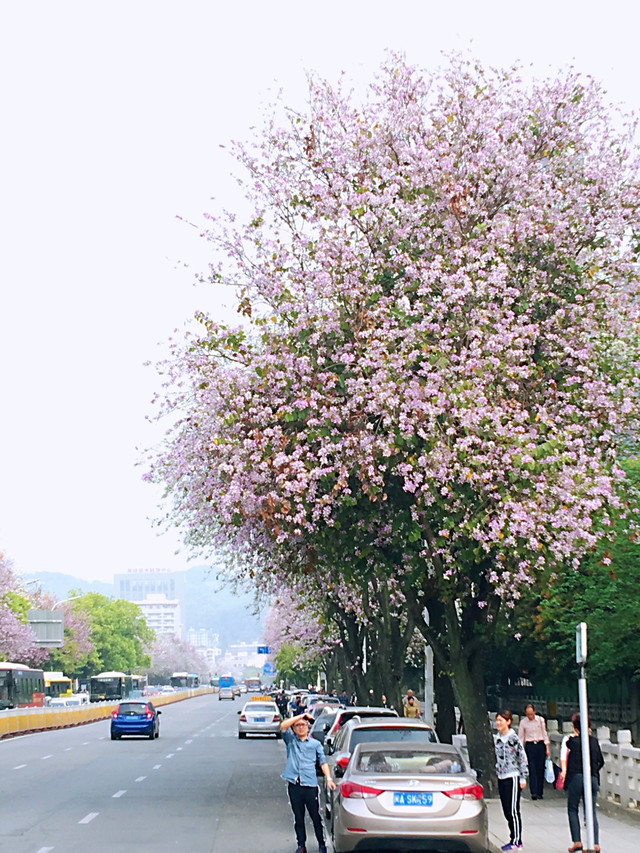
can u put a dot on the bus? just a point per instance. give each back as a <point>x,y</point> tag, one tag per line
<point>139,686</point>
<point>55,685</point>
<point>110,687</point>
<point>20,686</point>
<point>254,685</point>
<point>184,680</point>
<point>226,681</point>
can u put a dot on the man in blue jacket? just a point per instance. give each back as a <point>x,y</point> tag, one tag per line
<point>300,773</point>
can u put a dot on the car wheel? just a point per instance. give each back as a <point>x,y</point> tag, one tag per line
<point>114,736</point>
<point>152,735</point>
<point>278,735</point>
<point>158,733</point>
<point>242,735</point>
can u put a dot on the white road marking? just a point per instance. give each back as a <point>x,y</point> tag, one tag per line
<point>89,817</point>
<point>68,749</point>
<point>141,778</point>
<point>178,749</point>
<point>44,757</point>
<point>157,766</point>
<point>171,754</point>
<point>45,849</point>
<point>189,741</point>
<point>86,743</point>
<point>118,794</point>
<point>19,766</point>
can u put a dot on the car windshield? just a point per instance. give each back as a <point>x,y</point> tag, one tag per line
<point>260,706</point>
<point>400,734</point>
<point>409,762</point>
<point>132,708</point>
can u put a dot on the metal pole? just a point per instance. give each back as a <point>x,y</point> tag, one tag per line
<point>586,757</point>
<point>428,685</point>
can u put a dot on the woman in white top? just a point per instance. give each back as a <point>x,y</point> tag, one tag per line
<point>533,734</point>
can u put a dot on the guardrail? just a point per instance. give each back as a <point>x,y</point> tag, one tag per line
<point>22,720</point>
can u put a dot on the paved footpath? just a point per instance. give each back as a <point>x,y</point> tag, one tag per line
<point>546,827</point>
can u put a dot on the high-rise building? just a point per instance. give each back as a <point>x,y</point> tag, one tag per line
<point>159,593</point>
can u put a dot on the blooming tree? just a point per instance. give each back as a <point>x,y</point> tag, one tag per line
<point>439,359</point>
<point>18,641</point>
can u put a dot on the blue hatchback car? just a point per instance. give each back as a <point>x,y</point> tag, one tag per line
<point>135,718</point>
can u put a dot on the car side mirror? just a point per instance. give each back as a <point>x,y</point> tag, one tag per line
<point>159,712</point>
<point>339,771</point>
<point>238,712</point>
<point>477,774</point>
<point>328,744</point>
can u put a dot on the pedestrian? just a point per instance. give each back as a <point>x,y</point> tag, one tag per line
<point>537,746</point>
<point>512,769</point>
<point>282,703</point>
<point>573,781</point>
<point>303,754</point>
<point>344,698</point>
<point>412,708</point>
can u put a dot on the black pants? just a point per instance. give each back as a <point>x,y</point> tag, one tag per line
<point>536,754</point>
<point>509,790</point>
<point>301,797</point>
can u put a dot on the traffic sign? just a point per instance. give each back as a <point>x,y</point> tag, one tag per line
<point>269,668</point>
<point>264,650</point>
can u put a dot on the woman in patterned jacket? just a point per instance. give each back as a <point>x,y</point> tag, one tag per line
<point>513,771</point>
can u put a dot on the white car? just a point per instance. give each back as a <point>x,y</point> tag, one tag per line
<point>259,717</point>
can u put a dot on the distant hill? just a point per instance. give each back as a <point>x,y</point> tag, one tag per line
<point>61,585</point>
<point>207,605</point>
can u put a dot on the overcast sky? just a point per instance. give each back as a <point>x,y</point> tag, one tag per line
<point>112,116</point>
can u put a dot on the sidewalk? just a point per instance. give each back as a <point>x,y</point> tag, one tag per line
<point>545,828</point>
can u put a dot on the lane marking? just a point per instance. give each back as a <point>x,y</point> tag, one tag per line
<point>68,749</point>
<point>88,818</point>
<point>45,849</point>
<point>19,766</point>
<point>141,778</point>
<point>171,754</point>
<point>157,766</point>
<point>179,749</point>
<point>86,743</point>
<point>189,741</point>
<point>118,794</point>
<point>44,757</point>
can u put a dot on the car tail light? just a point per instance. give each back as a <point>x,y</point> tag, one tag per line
<point>361,792</point>
<point>114,713</point>
<point>149,714</point>
<point>276,718</point>
<point>243,718</point>
<point>343,761</point>
<point>471,792</point>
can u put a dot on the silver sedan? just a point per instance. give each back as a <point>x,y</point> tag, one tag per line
<point>259,717</point>
<point>408,796</point>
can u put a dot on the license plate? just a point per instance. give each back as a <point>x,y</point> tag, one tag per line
<point>260,719</point>
<point>410,798</point>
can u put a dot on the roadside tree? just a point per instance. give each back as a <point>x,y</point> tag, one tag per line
<point>440,352</point>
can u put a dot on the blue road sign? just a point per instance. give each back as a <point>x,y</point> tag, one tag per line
<point>264,650</point>
<point>269,668</point>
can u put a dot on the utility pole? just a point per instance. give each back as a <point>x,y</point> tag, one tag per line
<point>581,660</point>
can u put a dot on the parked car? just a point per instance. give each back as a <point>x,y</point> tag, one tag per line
<point>357,730</point>
<point>323,722</point>
<point>259,717</point>
<point>135,718</point>
<point>226,693</point>
<point>343,715</point>
<point>409,796</point>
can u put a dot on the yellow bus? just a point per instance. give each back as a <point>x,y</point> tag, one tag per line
<point>56,684</point>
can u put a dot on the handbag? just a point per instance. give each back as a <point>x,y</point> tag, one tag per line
<point>549,773</point>
<point>559,783</point>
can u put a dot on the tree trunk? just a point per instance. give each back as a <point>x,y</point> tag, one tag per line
<point>445,700</point>
<point>468,687</point>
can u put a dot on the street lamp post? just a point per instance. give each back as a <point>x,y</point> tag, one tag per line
<point>581,660</point>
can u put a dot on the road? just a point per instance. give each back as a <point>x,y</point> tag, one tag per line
<point>197,788</point>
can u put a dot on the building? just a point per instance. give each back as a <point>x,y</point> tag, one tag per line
<point>160,595</point>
